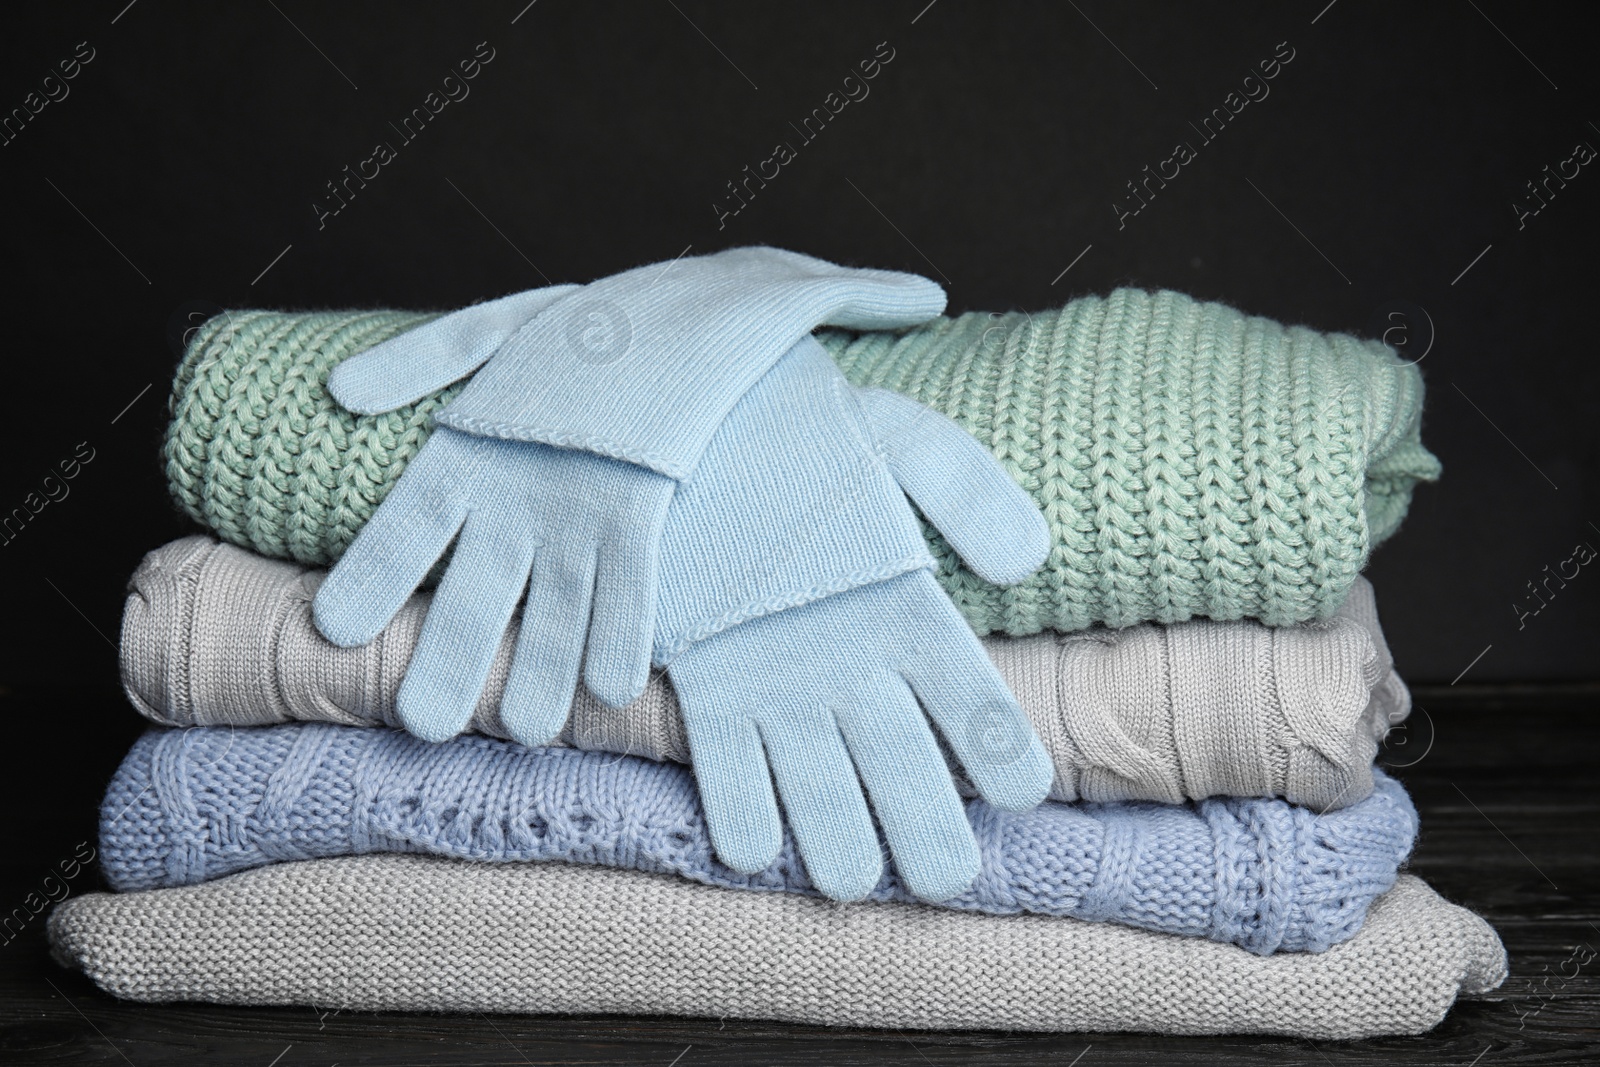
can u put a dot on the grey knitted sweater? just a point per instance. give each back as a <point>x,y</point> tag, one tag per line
<point>416,933</point>
<point>214,635</point>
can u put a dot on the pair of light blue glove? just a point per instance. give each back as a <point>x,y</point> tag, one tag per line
<point>675,472</point>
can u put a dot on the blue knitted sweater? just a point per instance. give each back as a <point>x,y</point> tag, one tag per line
<point>190,805</point>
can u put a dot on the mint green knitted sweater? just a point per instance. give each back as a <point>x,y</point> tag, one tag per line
<point>1191,460</point>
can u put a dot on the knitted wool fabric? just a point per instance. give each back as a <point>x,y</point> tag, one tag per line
<point>213,635</point>
<point>1191,460</point>
<point>420,933</point>
<point>190,805</point>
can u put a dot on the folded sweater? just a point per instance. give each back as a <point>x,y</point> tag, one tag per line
<point>1192,460</point>
<point>214,635</point>
<point>420,933</point>
<point>190,805</point>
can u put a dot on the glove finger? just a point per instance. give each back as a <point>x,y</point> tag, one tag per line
<point>980,719</point>
<point>555,619</point>
<point>822,798</point>
<point>909,785</point>
<point>464,626</point>
<point>991,522</point>
<point>730,769</point>
<point>409,366</point>
<point>617,666</point>
<point>395,549</point>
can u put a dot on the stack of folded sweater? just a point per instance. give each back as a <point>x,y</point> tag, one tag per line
<point>1199,659</point>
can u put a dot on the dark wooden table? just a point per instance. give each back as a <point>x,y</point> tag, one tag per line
<point>1505,779</point>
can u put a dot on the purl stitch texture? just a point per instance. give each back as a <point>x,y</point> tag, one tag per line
<point>191,805</point>
<point>420,933</point>
<point>1192,460</point>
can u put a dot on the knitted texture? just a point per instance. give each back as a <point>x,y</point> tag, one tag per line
<point>525,476</point>
<point>827,707</point>
<point>576,534</point>
<point>419,933</point>
<point>1191,460</point>
<point>810,646</point>
<point>190,805</point>
<point>213,635</point>
<point>640,366</point>
<point>805,492</point>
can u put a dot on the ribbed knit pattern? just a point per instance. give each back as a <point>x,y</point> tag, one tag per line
<point>1191,460</point>
<point>419,933</point>
<point>213,635</point>
<point>190,805</point>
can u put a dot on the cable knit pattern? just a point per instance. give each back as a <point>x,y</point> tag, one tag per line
<point>191,805</point>
<point>1192,461</point>
<point>420,933</point>
<point>213,635</point>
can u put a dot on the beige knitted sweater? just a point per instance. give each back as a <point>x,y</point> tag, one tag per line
<point>214,635</point>
<point>418,933</point>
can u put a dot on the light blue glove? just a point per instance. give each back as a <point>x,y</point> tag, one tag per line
<point>804,631</point>
<point>644,365</point>
<point>579,532</point>
<point>836,690</point>
<point>641,368</point>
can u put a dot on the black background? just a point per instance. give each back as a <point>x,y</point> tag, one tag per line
<point>192,148</point>
<point>988,154</point>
